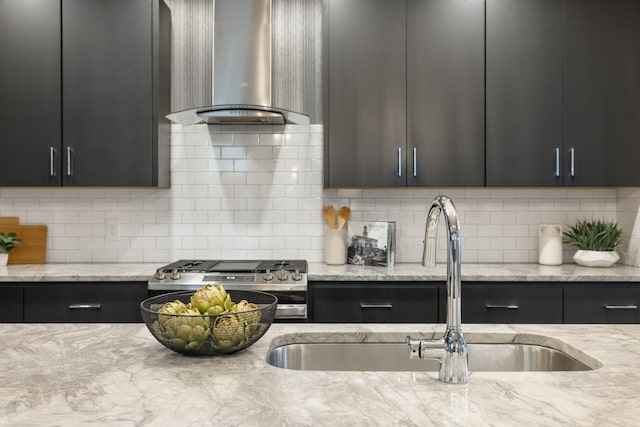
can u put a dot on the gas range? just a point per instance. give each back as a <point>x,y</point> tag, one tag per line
<point>260,275</point>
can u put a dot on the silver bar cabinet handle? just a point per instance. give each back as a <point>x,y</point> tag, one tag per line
<point>501,307</point>
<point>620,307</point>
<point>385,305</point>
<point>572,167</point>
<point>52,161</point>
<point>415,162</point>
<point>69,168</point>
<point>399,161</point>
<point>557,153</point>
<point>96,306</point>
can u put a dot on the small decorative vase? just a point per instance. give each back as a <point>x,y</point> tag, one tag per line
<point>596,258</point>
<point>4,258</point>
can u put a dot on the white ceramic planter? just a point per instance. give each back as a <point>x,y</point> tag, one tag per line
<point>596,258</point>
<point>4,258</point>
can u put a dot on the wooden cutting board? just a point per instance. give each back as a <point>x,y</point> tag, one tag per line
<point>9,220</point>
<point>33,248</point>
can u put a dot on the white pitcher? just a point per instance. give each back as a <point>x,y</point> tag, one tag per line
<point>550,244</point>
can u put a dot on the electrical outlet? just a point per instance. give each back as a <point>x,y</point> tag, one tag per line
<point>112,231</point>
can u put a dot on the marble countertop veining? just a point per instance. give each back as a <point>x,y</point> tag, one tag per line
<point>118,375</point>
<point>80,272</point>
<point>142,272</point>
<point>476,272</point>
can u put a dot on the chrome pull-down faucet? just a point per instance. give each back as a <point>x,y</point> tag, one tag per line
<point>451,349</point>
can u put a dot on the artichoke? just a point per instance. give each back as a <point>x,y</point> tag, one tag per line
<point>211,300</point>
<point>188,329</point>
<point>229,332</point>
<point>248,313</point>
<point>173,307</point>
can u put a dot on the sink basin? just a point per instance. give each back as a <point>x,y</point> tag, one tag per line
<point>489,353</point>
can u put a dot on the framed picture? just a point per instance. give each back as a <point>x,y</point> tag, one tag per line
<point>371,243</point>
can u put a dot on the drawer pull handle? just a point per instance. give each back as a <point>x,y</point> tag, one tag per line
<point>620,307</point>
<point>501,307</point>
<point>386,306</point>
<point>97,306</point>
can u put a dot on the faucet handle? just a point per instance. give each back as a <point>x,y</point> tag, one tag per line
<point>414,347</point>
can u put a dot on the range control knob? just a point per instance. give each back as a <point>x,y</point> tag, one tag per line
<point>296,276</point>
<point>282,275</point>
<point>175,275</point>
<point>268,276</point>
<point>160,274</point>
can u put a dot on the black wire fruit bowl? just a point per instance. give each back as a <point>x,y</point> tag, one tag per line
<point>194,327</point>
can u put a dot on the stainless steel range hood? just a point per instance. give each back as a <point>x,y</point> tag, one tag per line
<point>241,69</point>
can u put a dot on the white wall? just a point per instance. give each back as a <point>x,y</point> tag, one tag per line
<point>259,194</point>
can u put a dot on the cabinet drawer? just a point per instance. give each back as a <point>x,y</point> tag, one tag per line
<point>602,304</point>
<point>508,303</point>
<point>84,302</point>
<point>374,303</point>
<point>11,303</point>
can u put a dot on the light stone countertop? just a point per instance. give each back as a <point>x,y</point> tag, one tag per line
<point>118,375</point>
<point>142,272</point>
<point>477,272</point>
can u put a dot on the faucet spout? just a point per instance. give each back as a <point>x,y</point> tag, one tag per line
<point>453,366</point>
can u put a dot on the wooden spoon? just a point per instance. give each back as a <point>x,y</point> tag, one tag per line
<point>343,216</point>
<point>329,213</point>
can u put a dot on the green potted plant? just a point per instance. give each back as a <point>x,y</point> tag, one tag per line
<point>7,243</point>
<point>597,242</point>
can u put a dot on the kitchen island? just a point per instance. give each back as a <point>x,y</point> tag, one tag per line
<point>118,374</point>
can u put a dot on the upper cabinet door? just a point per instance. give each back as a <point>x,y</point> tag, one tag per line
<point>365,93</point>
<point>602,92</point>
<point>107,92</point>
<point>30,92</point>
<point>524,120</point>
<point>445,96</point>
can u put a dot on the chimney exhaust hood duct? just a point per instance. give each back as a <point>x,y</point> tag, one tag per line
<point>241,69</point>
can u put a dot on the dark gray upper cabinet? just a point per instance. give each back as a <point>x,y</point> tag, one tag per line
<point>89,95</point>
<point>365,92</point>
<point>524,139</point>
<point>404,93</point>
<point>602,91</point>
<point>30,88</point>
<point>445,95</point>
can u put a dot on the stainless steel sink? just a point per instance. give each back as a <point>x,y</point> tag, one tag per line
<point>394,356</point>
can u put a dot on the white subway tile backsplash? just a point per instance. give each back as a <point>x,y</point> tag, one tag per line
<point>271,139</point>
<point>246,139</point>
<point>257,192</point>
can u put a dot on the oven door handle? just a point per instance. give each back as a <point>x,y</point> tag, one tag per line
<point>291,311</point>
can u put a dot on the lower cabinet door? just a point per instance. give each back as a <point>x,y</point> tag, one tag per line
<point>373,302</point>
<point>511,303</point>
<point>10,303</point>
<point>602,304</point>
<point>84,302</point>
